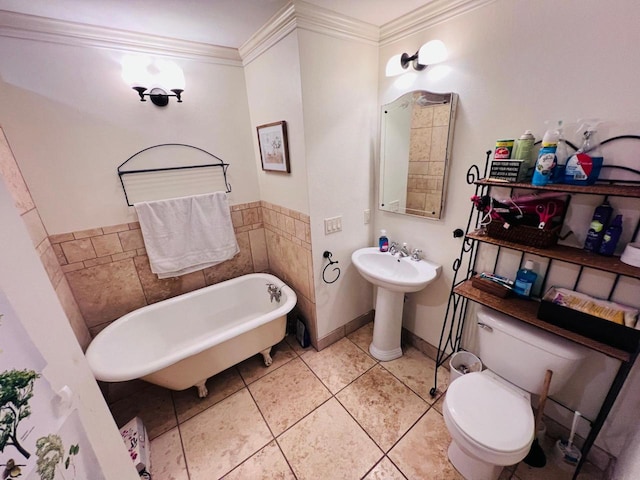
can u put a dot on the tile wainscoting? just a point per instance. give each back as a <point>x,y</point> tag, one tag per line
<point>25,205</point>
<point>108,270</point>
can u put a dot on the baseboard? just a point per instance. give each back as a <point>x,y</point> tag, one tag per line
<point>344,330</point>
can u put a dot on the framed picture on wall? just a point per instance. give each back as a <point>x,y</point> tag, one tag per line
<point>274,148</point>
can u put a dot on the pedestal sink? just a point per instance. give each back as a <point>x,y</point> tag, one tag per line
<point>394,276</point>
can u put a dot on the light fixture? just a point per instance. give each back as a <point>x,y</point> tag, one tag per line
<point>428,54</point>
<point>153,78</point>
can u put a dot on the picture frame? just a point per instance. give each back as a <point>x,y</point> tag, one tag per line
<point>274,147</point>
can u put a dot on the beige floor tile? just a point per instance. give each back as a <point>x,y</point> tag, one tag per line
<point>292,341</point>
<point>254,368</point>
<point>422,452</point>
<point>416,371</point>
<point>329,444</point>
<point>267,464</point>
<point>385,470</point>
<point>362,337</point>
<point>220,386</point>
<point>553,471</point>
<point>223,436</point>
<point>438,404</point>
<point>167,459</point>
<point>382,405</point>
<point>339,364</point>
<point>288,394</point>
<point>153,405</point>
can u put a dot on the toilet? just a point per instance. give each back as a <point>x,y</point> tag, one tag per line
<point>488,414</point>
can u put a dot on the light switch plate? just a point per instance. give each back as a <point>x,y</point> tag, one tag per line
<point>332,225</point>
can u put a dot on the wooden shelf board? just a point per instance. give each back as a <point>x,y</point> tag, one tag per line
<point>527,311</point>
<point>576,256</point>
<point>632,191</point>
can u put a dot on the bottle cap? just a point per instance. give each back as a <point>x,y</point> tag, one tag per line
<point>528,265</point>
<point>383,232</point>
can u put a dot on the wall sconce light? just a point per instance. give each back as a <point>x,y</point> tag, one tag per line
<point>152,79</point>
<point>428,54</point>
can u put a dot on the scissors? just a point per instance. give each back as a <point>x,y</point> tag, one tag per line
<point>545,213</point>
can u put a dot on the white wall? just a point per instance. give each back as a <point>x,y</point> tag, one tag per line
<point>514,65</point>
<point>42,316</point>
<point>275,94</point>
<point>339,104</point>
<point>72,120</point>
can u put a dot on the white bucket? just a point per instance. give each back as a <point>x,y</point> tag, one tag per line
<point>463,362</point>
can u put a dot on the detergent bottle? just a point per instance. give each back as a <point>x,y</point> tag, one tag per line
<point>583,168</point>
<point>546,162</point>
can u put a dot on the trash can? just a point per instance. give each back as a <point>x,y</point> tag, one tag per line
<point>463,362</point>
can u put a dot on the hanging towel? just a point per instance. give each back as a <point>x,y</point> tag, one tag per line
<point>186,234</point>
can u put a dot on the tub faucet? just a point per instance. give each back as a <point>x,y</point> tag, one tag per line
<point>274,292</point>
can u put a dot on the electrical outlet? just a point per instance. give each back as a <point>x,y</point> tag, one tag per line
<point>367,216</point>
<point>332,225</point>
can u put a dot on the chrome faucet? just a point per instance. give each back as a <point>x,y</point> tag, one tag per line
<point>274,292</point>
<point>393,248</point>
<point>415,255</point>
<point>404,251</point>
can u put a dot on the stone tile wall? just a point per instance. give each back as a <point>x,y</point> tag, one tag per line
<point>11,174</point>
<point>427,154</point>
<point>109,274</point>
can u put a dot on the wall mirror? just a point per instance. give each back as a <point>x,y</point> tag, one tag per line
<point>415,148</point>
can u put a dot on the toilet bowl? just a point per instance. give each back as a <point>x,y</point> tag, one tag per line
<point>491,424</point>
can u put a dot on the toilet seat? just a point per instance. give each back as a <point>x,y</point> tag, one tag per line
<point>490,416</point>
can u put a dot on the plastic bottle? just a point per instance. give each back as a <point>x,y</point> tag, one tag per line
<point>562,154</point>
<point>601,217</point>
<point>525,278</point>
<point>546,158</point>
<point>383,241</point>
<point>583,168</point>
<point>611,237</point>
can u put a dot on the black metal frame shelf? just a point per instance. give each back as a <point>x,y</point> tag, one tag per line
<point>525,310</point>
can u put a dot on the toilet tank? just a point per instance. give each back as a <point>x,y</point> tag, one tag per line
<point>522,353</point>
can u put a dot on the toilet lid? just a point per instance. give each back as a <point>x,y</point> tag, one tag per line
<point>490,413</point>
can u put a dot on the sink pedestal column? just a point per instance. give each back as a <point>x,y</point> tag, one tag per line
<point>387,325</point>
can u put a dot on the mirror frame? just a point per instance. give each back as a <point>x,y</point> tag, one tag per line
<point>391,166</point>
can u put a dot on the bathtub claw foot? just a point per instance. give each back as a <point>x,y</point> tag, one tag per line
<point>202,389</point>
<point>266,355</point>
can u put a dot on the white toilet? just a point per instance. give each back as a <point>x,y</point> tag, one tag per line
<point>489,413</point>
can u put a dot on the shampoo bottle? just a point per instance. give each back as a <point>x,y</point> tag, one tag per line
<point>546,162</point>
<point>601,217</point>
<point>383,241</point>
<point>525,278</point>
<point>611,237</point>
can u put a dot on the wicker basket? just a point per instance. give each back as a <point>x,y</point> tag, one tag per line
<point>531,236</point>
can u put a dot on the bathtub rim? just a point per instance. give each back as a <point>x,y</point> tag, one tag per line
<point>104,370</point>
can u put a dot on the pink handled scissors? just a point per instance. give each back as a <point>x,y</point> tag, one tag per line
<point>545,213</point>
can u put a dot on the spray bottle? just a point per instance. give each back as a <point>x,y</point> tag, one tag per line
<point>583,168</point>
<point>562,155</point>
<point>546,162</point>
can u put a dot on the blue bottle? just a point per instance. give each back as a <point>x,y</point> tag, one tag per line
<point>546,163</point>
<point>611,237</point>
<point>525,278</point>
<point>383,241</point>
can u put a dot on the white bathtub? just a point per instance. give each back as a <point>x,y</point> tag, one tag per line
<point>182,341</point>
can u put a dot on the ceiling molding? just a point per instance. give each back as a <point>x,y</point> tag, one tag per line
<point>433,13</point>
<point>306,16</point>
<point>31,27</point>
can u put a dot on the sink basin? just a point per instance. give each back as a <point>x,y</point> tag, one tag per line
<point>395,274</point>
<point>394,277</point>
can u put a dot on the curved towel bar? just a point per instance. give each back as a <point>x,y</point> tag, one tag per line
<point>122,172</point>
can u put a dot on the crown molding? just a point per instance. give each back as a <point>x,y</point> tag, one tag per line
<point>31,27</point>
<point>306,16</point>
<point>433,13</point>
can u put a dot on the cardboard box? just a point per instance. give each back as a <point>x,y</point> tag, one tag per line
<point>605,331</point>
<point>136,440</point>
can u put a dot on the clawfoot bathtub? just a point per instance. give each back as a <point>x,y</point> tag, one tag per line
<point>182,341</point>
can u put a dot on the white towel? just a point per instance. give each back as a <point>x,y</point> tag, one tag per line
<point>186,234</point>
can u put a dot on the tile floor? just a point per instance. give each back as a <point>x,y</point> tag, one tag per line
<point>334,414</point>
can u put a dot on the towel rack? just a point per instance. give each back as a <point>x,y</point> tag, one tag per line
<point>123,172</point>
